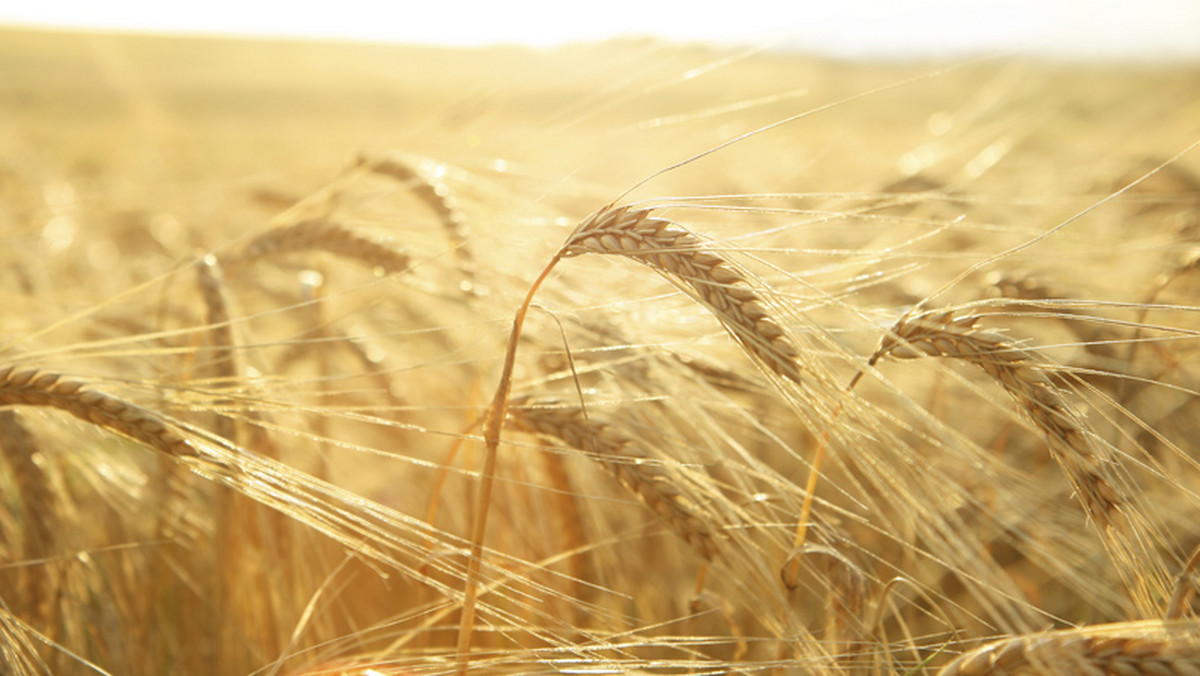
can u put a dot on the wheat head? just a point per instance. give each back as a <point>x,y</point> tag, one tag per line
<point>676,252</point>
<point>34,387</point>
<point>1117,650</point>
<point>619,453</point>
<point>321,235</point>
<point>1028,378</point>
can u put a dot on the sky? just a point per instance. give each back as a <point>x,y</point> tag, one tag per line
<point>1081,29</point>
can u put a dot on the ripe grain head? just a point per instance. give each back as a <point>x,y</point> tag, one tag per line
<point>677,253</point>
<point>1129,649</point>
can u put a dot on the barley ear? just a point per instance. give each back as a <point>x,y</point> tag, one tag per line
<point>1119,650</point>
<point>1029,379</point>
<point>33,387</point>
<point>679,255</point>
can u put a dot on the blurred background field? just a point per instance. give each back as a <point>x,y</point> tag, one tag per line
<point>130,163</point>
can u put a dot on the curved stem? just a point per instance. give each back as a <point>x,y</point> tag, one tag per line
<point>491,435</point>
<point>791,570</point>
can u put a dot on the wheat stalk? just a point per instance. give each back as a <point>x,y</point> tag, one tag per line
<point>34,494</point>
<point>39,511</point>
<point>621,456</point>
<point>672,250</point>
<point>676,252</point>
<point>1128,649</point>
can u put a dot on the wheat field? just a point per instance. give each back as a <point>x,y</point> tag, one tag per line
<point>364,360</point>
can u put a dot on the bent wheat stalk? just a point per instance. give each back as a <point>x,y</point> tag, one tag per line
<point>1028,379</point>
<point>676,253</point>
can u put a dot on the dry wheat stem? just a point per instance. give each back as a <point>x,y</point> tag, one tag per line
<point>674,251</point>
<point>621,455</point>
<point>34,495</point>
<point>38,509</point>
<point>321,235</point>
<point>1122,650</point>
<point>1026,376</point>
<point>492,429</point>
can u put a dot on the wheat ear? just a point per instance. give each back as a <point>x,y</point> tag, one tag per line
<point>673,250</point>
<point>1023,374</point>
<point>621,456</point>
<point>33,387</point>
<point>322,235</point>
<point>1027,377</point>
<point>1119,650</point>
<point>425,182</point>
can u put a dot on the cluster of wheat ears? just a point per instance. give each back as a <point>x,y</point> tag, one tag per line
<point>946,424</point>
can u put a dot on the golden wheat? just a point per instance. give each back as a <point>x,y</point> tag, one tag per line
<point>424,179</point>
<point>940,525</point>
<point>321,235</point>
<point>1118,650</point>
<point>33,387</point>
<point>671,249</point>
<point>1029,379</point>
<point>632,466</point>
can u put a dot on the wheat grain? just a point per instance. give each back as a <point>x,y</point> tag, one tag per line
<point>671,249</point>
<point>1119,650</point>
<point>621,455</point>
<point>321,235</point>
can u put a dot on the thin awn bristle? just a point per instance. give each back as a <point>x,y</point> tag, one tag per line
<point>322,235</point>
<point>621,456</point>
<point>674,251</point>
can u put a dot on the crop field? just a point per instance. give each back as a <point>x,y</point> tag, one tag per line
<point>621,358</point>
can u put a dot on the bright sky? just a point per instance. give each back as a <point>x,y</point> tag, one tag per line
<point>1078,28</point>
